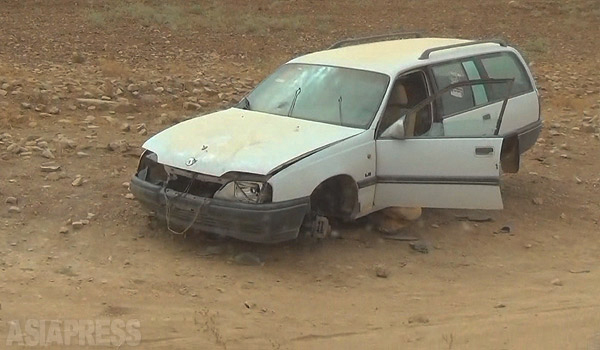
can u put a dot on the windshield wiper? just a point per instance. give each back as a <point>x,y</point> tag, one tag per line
<point>296,94</point>
<point>244,104</point>
<point>340,109</point>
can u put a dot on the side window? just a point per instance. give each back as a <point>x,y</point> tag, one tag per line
<point>506,66</point>
<point>459,99</point>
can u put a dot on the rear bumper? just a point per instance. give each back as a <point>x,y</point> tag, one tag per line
<point>262,223</point>
<point>528,135</point>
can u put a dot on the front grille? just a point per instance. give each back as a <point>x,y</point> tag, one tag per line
<point>193,186</point>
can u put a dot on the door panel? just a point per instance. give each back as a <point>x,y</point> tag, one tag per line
<point>438,196</point>
<point>520,111</point>
<point>479,122</point>
<point>439,173</point>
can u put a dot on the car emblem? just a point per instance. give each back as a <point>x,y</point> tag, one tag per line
<point>191,161</point>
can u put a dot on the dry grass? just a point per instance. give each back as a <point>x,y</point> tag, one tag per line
<point>173,16</point>
<point>211,15</point>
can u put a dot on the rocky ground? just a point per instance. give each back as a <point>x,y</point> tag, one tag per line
<point>84,83</point>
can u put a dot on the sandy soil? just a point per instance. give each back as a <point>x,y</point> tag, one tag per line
<point>536,288</point>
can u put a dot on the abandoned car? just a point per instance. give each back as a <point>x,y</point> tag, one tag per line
<point>371,123</point>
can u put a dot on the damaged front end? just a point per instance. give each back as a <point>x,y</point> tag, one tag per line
<point>237,205</point>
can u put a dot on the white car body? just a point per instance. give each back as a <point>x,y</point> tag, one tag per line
<point>459,169</point>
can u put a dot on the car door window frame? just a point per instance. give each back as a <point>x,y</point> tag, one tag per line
<point>433,97</point>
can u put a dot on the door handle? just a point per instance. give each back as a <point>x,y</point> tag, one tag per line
<point>484,151</point>
<point>487,117</point>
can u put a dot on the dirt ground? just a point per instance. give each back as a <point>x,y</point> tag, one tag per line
<point>73,245</point>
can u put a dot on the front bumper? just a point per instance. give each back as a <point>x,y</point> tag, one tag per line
<point>262,223</point>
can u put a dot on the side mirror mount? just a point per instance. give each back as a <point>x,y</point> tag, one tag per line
<point>396,130</point>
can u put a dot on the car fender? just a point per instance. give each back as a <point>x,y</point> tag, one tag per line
<point>354,157</point>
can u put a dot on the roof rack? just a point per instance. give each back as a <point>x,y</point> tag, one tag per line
<point>375,38</point>
<point>426,53</point>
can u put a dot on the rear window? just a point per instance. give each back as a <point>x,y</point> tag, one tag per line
<point>506,66</point>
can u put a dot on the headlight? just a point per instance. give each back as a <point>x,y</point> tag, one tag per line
<point>149,170</point>
<point>246,192</point>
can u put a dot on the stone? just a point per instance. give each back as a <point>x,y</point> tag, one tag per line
<point>419,246</point>
<point>11,200</point>
<point>50,168</point>
<point>66,143</point>
<point>119,145</point>
<point>78,181</point>
<point>556,282</point>
<point>191,106</point>
<point>47,154</point>
<point>381,271</point>
<point>14,209</point>
<point>125,127</point>
<point>403,213</point>
<point>54,110</point>
<point>418,319</point>
<point>538,201</point>
<point>97,103</point>
<point>129,196</point>
<point>248,259</point>
<point>133,87</point>
<point>507,228</point>
<point>53,177</point>
<point>210,92</point>
<point>63,230</point>
<point>77,225</point>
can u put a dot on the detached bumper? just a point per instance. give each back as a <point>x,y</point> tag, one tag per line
<point>262,223</point>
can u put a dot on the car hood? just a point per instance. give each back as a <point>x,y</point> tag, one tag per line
<point>242,141</point>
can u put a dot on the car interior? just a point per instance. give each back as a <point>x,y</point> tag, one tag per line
<point>408,91</point>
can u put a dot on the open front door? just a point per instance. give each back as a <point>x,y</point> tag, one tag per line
<point>443,160</point>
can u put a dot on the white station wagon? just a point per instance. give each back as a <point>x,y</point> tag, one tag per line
<point>365,125</point>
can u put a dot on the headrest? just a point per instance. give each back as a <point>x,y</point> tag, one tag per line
<point>399,96</point>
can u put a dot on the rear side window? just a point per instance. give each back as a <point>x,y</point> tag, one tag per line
<point>460,98</point>
<point>506,66</point>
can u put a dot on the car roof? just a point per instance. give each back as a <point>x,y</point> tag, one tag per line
<point>393,56</point>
